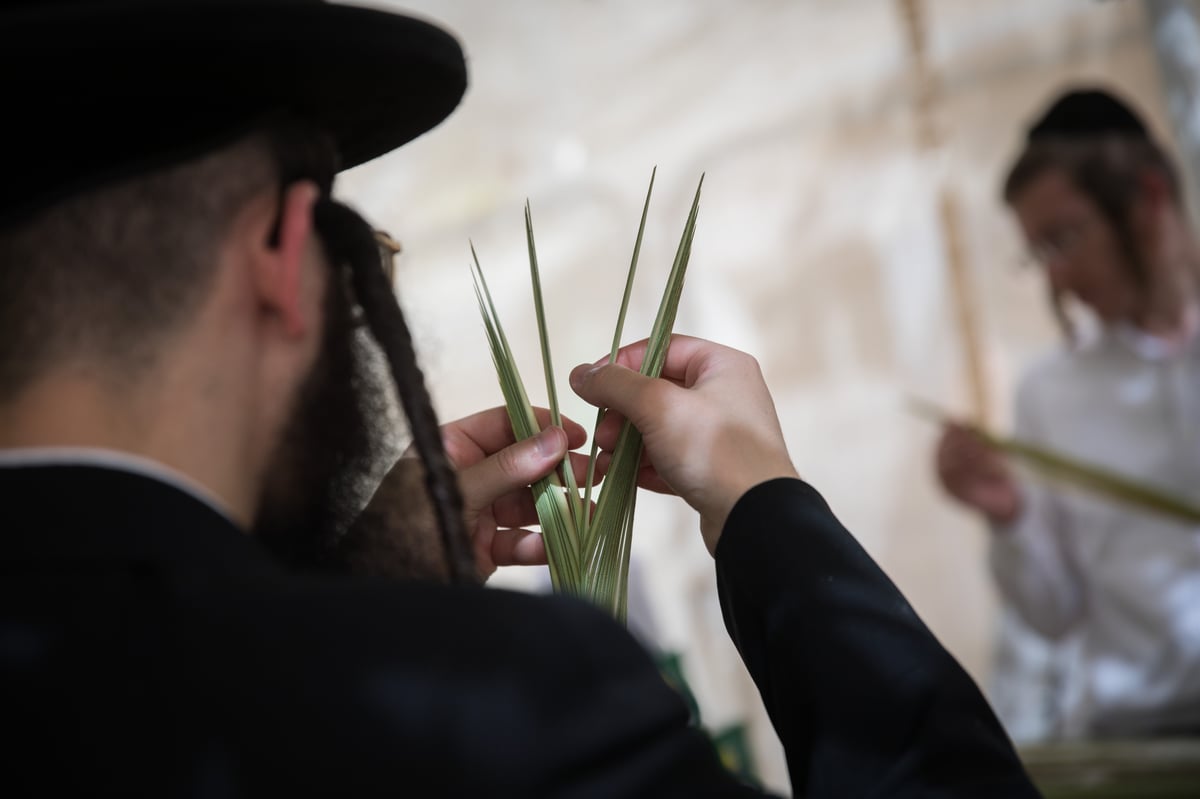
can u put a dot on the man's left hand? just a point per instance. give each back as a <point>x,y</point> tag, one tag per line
<point>495,472</point>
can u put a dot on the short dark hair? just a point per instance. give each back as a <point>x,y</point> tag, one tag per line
<point>1105,168</point>
<point>105,276</point>
<point>102,278</point>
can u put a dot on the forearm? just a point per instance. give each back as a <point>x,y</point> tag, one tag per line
<point>863,696</point>
<point>1032,570</point>
<point>1029,557</point>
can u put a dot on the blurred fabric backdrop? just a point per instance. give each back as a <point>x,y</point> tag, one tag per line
<point>821,247</point>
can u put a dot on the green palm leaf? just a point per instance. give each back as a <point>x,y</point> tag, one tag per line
<point>588,552</point>
<point>1089,477</point>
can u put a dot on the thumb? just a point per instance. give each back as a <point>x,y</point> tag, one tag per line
<point>610,385</point>
<point>513,467</point>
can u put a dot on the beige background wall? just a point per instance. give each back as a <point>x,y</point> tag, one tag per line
<point>818,248</point>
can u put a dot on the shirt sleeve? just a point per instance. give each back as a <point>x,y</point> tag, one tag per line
<point>1030,558</point>
<point>865,699</point>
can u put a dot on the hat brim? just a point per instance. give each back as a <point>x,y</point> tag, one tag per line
<point>101,85</point>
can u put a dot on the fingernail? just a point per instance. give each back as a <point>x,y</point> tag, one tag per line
<point>579,374</point>
<point>547,442</point>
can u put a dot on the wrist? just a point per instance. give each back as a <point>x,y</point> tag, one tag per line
<point>726,495</point>
<point>1004,518</point>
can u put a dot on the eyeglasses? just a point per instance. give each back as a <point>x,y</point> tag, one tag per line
<point>354,249</point>
<point>1058,243</point>
<point>391,248</point>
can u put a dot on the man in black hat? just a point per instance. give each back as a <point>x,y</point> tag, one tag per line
<point>187,323</point>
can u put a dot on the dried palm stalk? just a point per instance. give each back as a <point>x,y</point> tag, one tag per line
<point>1059,468</point>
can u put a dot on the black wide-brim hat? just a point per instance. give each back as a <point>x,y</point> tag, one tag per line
<point>96,90</point>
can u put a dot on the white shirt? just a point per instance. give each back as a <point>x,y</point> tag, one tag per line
<point>1121,584</point>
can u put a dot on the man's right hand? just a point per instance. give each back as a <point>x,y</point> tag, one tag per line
<point>977,475</point>
<point>709,423</point>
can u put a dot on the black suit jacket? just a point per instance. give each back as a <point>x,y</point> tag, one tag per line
<point>148,647</point>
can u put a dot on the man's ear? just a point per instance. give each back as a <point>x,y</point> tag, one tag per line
<point>1158,223</point>
<point>279,265</point>
<point>1154,189</point>
<point>1151,207</point>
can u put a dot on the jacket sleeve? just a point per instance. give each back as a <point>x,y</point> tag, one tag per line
<point>1031,559</point>
<point>865,700</point>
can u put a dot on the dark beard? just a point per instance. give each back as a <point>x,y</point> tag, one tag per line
<point>334,449</point>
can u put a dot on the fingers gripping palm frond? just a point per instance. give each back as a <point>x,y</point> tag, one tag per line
<point>1062,469</point>
<point>588,551</point>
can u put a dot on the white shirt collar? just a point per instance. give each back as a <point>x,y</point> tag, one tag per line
<point>110,459</point>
